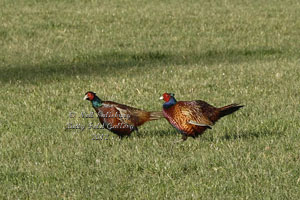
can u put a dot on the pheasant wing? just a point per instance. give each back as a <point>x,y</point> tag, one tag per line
<point>126,116</point>
<point>130,115</point>
<point>195,115</point>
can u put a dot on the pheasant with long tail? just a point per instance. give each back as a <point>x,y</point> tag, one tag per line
<point>192,118</point>
<point>118,118</point>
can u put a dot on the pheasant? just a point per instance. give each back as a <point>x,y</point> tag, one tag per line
<point>192,118</point>
<point>118,118</point>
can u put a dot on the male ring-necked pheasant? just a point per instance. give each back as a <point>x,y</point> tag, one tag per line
<point>192,118</point>
<point>118,118</point>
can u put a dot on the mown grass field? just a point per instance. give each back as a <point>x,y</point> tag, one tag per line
<point>52,52</point>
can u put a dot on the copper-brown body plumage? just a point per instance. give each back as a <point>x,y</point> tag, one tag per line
<point>119,118</point>
<point>192,118</point>
<point>122,119</point>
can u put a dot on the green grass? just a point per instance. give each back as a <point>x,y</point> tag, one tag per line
<point>52,52</point>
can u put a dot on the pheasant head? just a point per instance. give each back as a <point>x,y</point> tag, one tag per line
<point>169,100</point>
<point>91,96</point>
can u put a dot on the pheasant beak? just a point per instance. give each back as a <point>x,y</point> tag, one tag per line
<point>85,97</point>
<point>161,98</point>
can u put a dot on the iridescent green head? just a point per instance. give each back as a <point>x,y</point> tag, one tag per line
<point>91,96</point>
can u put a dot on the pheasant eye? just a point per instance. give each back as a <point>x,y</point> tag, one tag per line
<point>166,97</point>
<point>91,96</point>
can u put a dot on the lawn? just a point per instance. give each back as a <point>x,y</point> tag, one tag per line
<point>131,52</point>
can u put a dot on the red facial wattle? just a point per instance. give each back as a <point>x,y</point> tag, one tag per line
<point>166,97</point>
<point>91,96</point>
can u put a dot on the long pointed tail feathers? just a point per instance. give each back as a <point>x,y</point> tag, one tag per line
<point>155,115</point>
<point>229,109</point>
